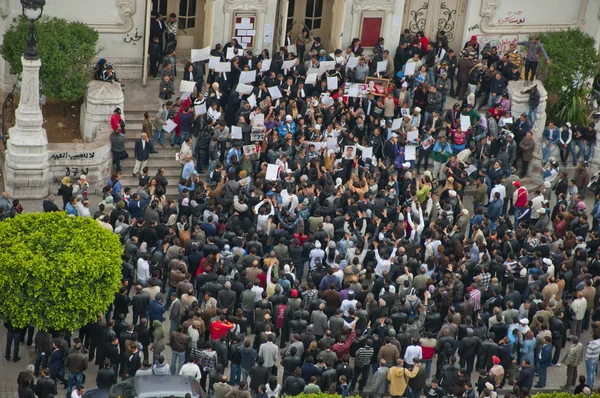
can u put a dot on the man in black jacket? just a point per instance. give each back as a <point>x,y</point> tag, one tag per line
<point>133,361</point>
<point>45,386</point>
<point>143,148</point>
<point>259,375</point>
<point>140,303</point>
<point>559,334</point>
<point>469,347</point>
<point>526,375</point>
<point>106,376</point>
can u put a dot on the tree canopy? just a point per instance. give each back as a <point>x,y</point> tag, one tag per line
<point>56,271</point>
<point>66,50</point>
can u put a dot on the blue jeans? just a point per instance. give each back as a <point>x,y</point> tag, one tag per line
<point>174,139</point>
<point>588,152</point>
<point>531,115</point>
<point>244,375</point>
<point>174,357</point>
<point>75,379</point>
<point>41,361</point>
<point>159,136</point>
<point>427,368</point>
<point>235,374</point>
<point>590,369</point>
<point>577,149</point>
<point>547,151</point>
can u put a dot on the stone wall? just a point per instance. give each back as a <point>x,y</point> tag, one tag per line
<point>101,99</point>
<point>519,104</point>
<point>94,159</point>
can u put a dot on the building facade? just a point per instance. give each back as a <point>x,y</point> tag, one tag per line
<point>124,24</point>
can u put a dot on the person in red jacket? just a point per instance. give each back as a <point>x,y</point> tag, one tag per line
<point>115,119</point>
<point>342,347</point>
<point>220,328</point>
<point>519,199</point>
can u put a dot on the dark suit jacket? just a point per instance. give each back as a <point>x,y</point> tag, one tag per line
<point>141,152</point>
<point>526,377</point>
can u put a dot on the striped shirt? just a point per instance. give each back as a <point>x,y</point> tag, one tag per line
<point>364,355</point>
<point>475,297</point>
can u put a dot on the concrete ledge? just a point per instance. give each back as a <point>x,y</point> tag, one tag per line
<point>94,159</point>
<point>101,99</point>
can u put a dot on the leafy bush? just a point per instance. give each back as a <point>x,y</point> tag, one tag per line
<point>574,61</point>
<point>560,394</point>
<point>66,50</point>
<point>319,395</point>
<point>56,271</point>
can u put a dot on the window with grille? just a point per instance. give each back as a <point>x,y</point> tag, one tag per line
<point>187,14</point>
<point>314,14</point>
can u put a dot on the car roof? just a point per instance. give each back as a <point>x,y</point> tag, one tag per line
<point>153,385</point>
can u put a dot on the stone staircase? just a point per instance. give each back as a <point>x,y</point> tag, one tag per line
<point>165,158</point>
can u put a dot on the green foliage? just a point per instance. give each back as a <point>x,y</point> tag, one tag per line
<point>571,107</point>
<point>563,394</point>
<point>573,55</point>
<point>319,395</point>
<point>66,49</point>
<point>574,60</point>
<point>56,271</point>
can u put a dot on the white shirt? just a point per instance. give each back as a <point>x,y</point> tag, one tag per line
<point>143,270</point>
<point>258,292</point>
<point>498,188</point>
<point>190,369</point>
<point>346,305</point>
<point>383,265</point>
<point>412,352</point>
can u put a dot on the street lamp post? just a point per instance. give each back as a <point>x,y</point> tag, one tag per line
<point>26,172</point>
<point>32,10</point>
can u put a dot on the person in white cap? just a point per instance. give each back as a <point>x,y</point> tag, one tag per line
<point>289,127</point>
<point>542,221</point>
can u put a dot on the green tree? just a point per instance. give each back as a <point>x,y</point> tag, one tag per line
<point>574,61</point>
<point>66,50</point>
<point>56,271</point>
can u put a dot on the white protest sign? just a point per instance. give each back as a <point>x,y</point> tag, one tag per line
<point>213,61</point>
<point>409,69</point>
<point>352,62</point>
<point>311,78</point>
<point>381,66</point>
<point>396,123</point>
<point>410,152</point>
<point>252,100</point>
<point>223,67</point>
<point>244,88</point>
<point>327,65</point>
<point>412,136</point>
<point>288,64</point>
<point>465,122</point>
<point>201,55</point>
<point>292,49</point>
<point>170,126</point>
<point>367,153</point>
<point>274,92</point>
<point>187,86</point>
<point>236,133</point>
<point>332,83</point>
<point>230,53</point>
<point>272,172</point>
<point>266,65</point>
<point>248,77</point>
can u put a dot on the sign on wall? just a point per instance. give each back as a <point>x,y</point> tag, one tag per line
<point>244,28</point>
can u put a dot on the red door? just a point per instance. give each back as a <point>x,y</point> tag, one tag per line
<point>371,31</point>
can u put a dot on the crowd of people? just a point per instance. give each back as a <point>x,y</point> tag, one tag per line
<point>316,248</point>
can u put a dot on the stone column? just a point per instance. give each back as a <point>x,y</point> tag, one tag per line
<point>519,104</point>
<point>101,99</point>
<point>26,165</point>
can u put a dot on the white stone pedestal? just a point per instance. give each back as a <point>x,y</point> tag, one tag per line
<point>26,164</point>
<point>101,99</point>
<point>519,104</point>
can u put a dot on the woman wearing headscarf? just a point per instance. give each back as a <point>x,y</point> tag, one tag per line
<point>66,191</point>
